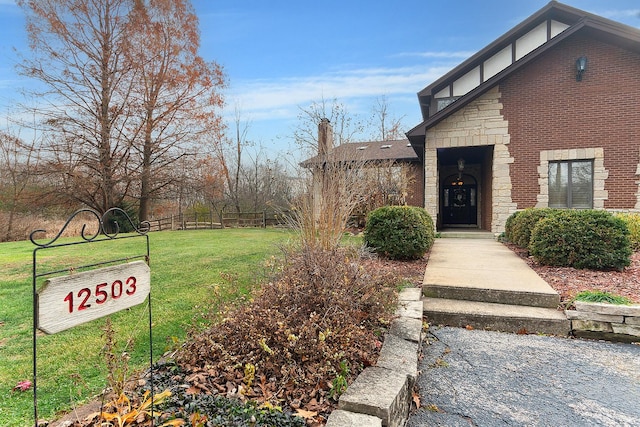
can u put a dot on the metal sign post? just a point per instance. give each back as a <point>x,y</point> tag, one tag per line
<point>90,291</point>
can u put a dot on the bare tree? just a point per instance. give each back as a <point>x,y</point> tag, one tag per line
<point>234,160</point>
<point>18,165</point>
<point>346,127</point>
<point>388,127</point>
<point>126,94</point>
<point>78,51</point>
<point>265,183</point>
<point>176,89</point>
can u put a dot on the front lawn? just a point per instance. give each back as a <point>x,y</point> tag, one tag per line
<point>191,273</point>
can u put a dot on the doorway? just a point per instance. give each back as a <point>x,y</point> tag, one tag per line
<point>460,201</point>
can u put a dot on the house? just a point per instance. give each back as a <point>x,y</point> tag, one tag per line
<point>391,167</point>
<point>547,115</point>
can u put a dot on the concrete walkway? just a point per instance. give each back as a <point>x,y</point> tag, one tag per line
<point>482,283</point>
<point>481,263</point>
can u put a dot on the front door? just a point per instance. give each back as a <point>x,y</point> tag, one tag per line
<point>460,205</point>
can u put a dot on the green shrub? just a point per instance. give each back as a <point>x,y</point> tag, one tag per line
<point>508,226</point>
<point>522,223</point>
<point>602,296</point>
<point>632,220</point>
<point>582,239</point>
<point>399,232</point>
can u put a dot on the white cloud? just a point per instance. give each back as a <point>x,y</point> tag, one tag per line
<point>281,98</point>
<point>626,16</point>
<point>463,54</point>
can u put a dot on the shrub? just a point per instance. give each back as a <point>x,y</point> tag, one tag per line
<point>582,239</point>
<point>399,232</point>
<point>522,223</point>
<point>632,220</point>
<point>509,225</point>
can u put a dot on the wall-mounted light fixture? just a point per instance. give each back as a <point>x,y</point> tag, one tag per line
<point>581,67</point>
<point>460,168</point>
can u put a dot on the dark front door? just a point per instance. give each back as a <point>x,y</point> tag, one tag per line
<point>460,205</point>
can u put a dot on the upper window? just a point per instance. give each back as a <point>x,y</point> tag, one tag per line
<point>443,102</point>
<point>571,184</point>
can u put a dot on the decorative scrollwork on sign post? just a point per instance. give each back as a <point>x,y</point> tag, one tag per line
<point>92,290</point>
<point>142,229</point>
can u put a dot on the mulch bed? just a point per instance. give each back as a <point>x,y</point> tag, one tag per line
<point>569,281</point>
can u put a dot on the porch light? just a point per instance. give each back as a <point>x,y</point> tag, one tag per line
<point>581,67</point>
<point>460,169</point>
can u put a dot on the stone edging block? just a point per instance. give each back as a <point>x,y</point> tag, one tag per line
<point>411,309</point>
<point>407,328</point>
<point>401,356</point>
<point>340,418</point>
<point>381,395</point>
<point>607,321</point>
<point>611,309</point>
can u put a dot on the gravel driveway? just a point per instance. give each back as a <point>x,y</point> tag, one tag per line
<point>482,378</point>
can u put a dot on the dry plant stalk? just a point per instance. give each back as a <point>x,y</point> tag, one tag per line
<point>334,189</point>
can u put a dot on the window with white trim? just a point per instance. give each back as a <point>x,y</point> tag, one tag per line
<point>571,184</point>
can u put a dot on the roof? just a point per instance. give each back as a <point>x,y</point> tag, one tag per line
<point>396,150</point>
<point>555,20</point>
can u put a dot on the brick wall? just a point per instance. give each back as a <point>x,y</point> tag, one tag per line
<point>547,109</point>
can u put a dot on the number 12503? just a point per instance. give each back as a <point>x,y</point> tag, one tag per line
<point>103,292</point>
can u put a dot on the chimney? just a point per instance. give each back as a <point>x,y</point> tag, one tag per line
<point>325,137</point>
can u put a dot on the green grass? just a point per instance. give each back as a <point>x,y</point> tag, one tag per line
<point>192,272</point>
<point>602,296</point>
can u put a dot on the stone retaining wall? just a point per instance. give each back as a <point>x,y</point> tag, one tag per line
<point>605,321</point>
<point>381,394</point>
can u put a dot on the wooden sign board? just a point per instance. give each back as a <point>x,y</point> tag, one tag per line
<point>67,301</point>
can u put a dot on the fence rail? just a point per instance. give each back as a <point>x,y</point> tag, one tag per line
<point>210,220</point>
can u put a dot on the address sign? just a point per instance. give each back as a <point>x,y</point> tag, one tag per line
<point>67,301</point>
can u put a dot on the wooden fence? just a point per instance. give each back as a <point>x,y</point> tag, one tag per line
<point>210,220</point>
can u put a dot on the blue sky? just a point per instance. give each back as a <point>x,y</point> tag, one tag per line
<point>281,55</point>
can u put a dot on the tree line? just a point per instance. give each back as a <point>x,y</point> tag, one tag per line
<point>125,112</point>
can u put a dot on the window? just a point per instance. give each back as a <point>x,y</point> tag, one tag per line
<point>443,102</point>
<point>571,184</point>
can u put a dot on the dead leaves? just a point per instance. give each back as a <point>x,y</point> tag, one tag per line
<point>415,398</point>
<point>22,386</point>
<point>307,415</point>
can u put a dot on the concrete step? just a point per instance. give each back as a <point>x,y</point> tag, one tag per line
<point>532,298</point>
<point>466,234</point>
<point>497,317</point>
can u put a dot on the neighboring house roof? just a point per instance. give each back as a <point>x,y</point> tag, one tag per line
<point>516,48</point>
<point>397,150</point>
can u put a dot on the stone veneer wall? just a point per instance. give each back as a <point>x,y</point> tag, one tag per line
<point>478,124</point>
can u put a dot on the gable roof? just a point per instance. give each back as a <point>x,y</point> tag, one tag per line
<point>516,48</point>
<point>396,150</point>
